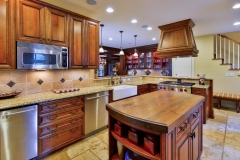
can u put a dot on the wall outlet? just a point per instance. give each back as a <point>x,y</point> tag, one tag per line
<point>231,74</point>
<point>161,78</point>
<point>226,74</point>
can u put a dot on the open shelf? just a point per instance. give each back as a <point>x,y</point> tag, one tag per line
<point>137,149</point>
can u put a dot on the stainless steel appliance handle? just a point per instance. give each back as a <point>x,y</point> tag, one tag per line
<point>60,60</point>
<point>97,97</point>
<point>20,112</point>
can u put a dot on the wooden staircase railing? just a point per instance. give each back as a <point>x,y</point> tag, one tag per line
<point>227,50</point>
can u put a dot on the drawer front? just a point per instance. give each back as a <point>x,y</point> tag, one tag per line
<point>61,125</point>
<point>59,139</point>
<point>60,104</point>
<point>195,115</point>
<point>198,91</point>
<point>152,87</point>
<point>182,128</point>
<point>62,114</point>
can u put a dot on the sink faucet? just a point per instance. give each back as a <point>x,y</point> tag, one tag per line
<point>120,80</point>
<point>112,81</point>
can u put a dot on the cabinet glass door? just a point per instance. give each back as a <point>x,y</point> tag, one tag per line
<point>141,60</point>
<point>149,60</point>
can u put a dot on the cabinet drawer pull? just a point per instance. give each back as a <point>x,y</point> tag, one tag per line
<point>183,128</point>
<point>71,112</point>
<point>195,115</point>
<point>43,38</point>
<point>50,129</point>
<point>52,117</point>
<point>74,130</point>
<point>54,135</point>
<point>52,107</point>
<point>49,39</point>
<point>192,135</point>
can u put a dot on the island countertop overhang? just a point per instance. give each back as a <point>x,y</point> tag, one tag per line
<point>158,111</point>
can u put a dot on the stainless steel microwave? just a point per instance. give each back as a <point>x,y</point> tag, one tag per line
<point>41,56</point>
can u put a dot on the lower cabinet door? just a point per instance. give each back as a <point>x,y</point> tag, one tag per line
<point>183,147</point>
<point>196,140</point>
<point>58,140</point>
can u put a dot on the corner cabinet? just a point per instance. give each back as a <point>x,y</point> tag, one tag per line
<point>7,34</point>
<point>84,43</point>
<point>40,24</point>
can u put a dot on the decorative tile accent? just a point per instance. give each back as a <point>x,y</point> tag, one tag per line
<point>80,79</point>
<point>62,80</point>
<point>39,81</point>
<point>11,83</point>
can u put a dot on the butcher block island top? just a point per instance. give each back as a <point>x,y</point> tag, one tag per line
<point>173,118</point>
<point>160,110</point>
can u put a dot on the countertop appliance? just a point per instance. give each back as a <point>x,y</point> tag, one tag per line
<point>41,56</point>
<point>177,86</point>
<point>96,115</point>
<point>18,133</point>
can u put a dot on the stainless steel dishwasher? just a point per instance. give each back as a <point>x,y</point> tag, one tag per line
<point>96,115</point>
<point>18,133</point>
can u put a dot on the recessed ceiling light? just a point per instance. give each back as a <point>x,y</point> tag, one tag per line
<point>109,10</point>
<point>91,2</point>
<point>149,28</point>
<point>153,39</point>
<point>236,6</point>
<point>236,23</point>
<point>144,26</point>
<point>110,39</point>
<point>134,21</point>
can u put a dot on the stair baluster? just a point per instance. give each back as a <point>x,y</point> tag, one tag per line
<point>238,56</point>
<point>229,51</point>
<point>216,47</point>
<point>233,57</point>
<point>220,46</point>
<point>224,49</point>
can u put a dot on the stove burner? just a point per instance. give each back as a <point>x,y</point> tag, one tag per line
<point>177,83</point>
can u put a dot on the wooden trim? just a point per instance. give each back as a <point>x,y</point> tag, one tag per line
<point>234,69</point>
<point>224,36</point>
<point>217,59</point>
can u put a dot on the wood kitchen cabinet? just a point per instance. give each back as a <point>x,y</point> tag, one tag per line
<point>153,87</point>
<point>60,123</point>
<point>40,24</point>
<point>205,93</point>
<point>142,89</point>
<point>84,43</point>
<point>7,34</point>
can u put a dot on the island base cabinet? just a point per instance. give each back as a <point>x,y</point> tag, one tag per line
<point>184,142</point>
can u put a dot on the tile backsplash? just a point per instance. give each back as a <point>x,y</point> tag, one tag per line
<point>30,82</point>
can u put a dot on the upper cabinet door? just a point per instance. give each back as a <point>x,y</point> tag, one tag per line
<point>56,27</point>
<point>30,22</point>
<point>76,42</point>
<point>91,56</point>
<point>7,34</point>
<point>39,24</point>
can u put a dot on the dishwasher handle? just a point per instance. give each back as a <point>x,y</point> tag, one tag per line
<point>9,114</point>
<point>97,97</point>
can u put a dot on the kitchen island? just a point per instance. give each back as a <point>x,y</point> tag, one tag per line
<point>175,119</point>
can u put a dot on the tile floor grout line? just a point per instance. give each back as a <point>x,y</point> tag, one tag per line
<point>94,154</point>
<point>224,137</point>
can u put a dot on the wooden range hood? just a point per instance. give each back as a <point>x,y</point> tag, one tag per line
<point>177,40</point>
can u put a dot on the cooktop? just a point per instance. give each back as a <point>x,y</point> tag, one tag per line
<point>177,83</point>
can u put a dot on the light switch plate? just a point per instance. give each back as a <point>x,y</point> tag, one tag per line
<point>231,74</point>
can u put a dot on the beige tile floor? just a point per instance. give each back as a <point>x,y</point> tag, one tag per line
<point>221,141</point>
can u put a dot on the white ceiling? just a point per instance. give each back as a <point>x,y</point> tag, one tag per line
<point>210,17</point>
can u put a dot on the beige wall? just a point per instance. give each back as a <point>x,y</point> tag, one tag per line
<point>203,64</point>
<point>26,81</point>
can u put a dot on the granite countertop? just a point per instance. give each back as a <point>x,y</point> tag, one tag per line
<point>23,100</point>
<point>201,86</point>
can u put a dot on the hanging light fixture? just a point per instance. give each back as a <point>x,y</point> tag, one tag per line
<point>101,50</point>
<point>135,50</point>
<point>121,52</point>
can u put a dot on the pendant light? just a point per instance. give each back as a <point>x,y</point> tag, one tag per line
<point>101,50</point>
<point>135,50</point>
<point>121,52</point>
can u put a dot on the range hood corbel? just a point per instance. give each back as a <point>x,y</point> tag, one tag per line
<point>177,40</point>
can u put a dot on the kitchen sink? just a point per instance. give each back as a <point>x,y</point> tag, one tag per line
<point>123,91</point>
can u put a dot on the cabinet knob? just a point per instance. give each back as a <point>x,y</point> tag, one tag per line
<point>49,39</point>
<point>192,135</point>
<point>43,38</point>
